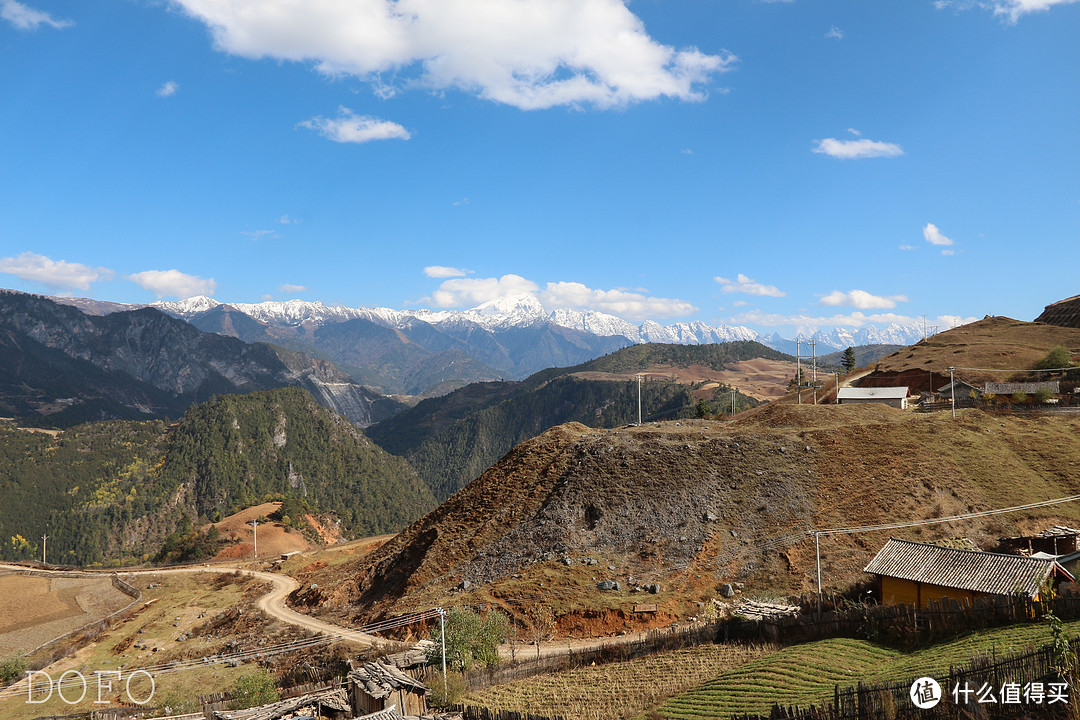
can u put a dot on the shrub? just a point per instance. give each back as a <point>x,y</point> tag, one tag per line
<point>470,638</point>
<point>255,689</point>
<point>1059,357</point>
<point>12,668</point>
<point>1019,397</point>
<point>445,693</point>
<point>1043,394</point>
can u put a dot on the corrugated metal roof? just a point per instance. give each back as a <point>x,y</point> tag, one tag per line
<point>974,570</point>
<point>876,393</point>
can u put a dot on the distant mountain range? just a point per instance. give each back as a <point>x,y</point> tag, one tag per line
<point>430,353</point>
<point>61,366</point>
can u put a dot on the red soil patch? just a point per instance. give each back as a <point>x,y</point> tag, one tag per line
<point>273,537</point>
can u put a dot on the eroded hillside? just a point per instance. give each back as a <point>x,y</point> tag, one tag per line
<point>690,505</point>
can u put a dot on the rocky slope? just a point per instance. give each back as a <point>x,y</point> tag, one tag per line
<point>691,505</point>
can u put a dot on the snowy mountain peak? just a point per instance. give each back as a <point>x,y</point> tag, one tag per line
<point>186,308</point>
<point>514,305</point>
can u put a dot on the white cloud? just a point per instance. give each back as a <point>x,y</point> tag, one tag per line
<point>526,53</point>
<point>934,236</point>
<point>854,132</point>
<point>855,319</point>
<point>620,302</point>
<point>1010,10</point>
<point>470,292</point>
<point>856,149</point>
<point>907,247</point>
<point>862,300</point>
<point>948,252</point>
<point>59,274</point>
<point>441,271</point>
<point>168,89</point>
<point>349,127</point>
<point>173,283</point>
<point>628,304</point>
<point>257,235</point>
<point>743,284</point>
<point>292,288</point>
<point>462,201</point>
<point>286,220</point>
<point>27,18</point>
<point>835,33</point>
<point>740,303</point>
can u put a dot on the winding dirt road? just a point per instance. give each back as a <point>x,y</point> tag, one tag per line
<point>273,603</point>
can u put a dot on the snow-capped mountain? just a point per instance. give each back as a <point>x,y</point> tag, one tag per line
<point>526,310</point>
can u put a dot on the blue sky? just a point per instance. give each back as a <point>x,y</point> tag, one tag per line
<point>771,164</point>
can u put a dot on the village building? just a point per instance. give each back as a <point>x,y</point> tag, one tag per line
<point>378,686</point>
<point>1060,543</point>
<point>961,388</point>
<point>917,573</point>
<point>1028,388</point>
<point>894,396</point>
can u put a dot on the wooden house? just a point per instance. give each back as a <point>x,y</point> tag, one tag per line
<point>915,573</point>
<point>378,686</point>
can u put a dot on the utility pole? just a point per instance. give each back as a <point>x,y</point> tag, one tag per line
<point>255,528</point>
<point>813,345</point>
<point>952,387</point>
<point>442,634</point>
<point>733,403</point>
<point>817,553</point>
<point>639,399</point>
<point>837,387</point>
<point>798,366</point>
<point>44,541</point>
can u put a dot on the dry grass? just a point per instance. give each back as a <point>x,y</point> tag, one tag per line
<point>186,597</point>
<point>995,342</point>
<point>34,610</point>
<point>617,690</point>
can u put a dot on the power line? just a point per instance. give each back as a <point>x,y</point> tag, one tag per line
<point>938,521</point>
<point>1014,370</point>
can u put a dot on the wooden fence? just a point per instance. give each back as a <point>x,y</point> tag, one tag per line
<point>892,700</point>
<point>896,625</point>
<point>222,700</point>
<point>468,712</point>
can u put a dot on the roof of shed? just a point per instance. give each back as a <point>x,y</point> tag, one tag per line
<point>874,393</point>
<point>379,680</point>
<point>984,572</point>
<point>334,698</point>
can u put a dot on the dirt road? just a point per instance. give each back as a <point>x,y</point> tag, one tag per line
<point>273,603</point>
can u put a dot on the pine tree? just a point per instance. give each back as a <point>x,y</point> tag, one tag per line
<point>849,359</point>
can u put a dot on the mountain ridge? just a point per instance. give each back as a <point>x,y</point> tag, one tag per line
<point>63,366</point>
<point>525,310</point>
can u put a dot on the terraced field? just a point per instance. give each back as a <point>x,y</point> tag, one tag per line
<point>606,692</point>
<point>806,674</point>
<point>800,675</point>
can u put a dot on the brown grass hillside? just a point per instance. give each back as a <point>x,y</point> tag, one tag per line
<point>994,342</point>
<point>691,505</point>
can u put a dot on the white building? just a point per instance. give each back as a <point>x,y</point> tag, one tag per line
<point>895,396</point>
